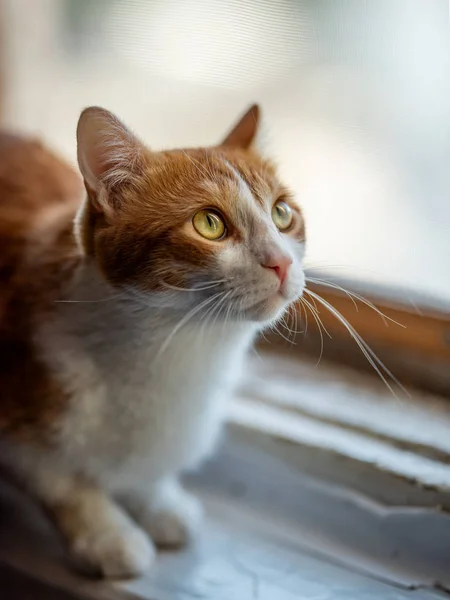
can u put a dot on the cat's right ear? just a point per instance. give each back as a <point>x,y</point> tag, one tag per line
<point>109,155</point>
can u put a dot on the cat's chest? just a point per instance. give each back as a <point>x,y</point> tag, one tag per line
<point>178,373</point>
<point>148,408</point>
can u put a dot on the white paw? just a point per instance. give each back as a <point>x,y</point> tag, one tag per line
<point>120,552</point>
<point>176,521</point>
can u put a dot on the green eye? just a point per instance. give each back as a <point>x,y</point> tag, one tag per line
<point>282,215</point>
<point>209,224</point>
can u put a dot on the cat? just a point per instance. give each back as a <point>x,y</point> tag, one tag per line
<point>126,311</point>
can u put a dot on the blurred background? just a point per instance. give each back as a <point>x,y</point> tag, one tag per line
<point>356,95</point>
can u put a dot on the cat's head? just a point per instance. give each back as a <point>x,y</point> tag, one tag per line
<point>216,221</point>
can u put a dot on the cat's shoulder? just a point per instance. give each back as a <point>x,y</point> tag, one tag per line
<point>39,196</point>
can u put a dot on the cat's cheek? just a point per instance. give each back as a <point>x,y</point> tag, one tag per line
<point>295,284</point>
<point>230,257</point>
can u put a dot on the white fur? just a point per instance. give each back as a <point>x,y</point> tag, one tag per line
<point>140,413</point>
<point>246,200</point>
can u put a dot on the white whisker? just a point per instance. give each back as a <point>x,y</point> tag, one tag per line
<point>315,312</point>
<point>370,355</point>
<point>303,309</point>
<point>122,295</point>
<point>352,296</point>
<point>184,320</point>
<point>278,332</point>
<point>291,332</point>
<point>208,286</point>
<point>318,323</point>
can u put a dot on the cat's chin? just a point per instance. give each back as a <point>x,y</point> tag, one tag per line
<point>268,311</point>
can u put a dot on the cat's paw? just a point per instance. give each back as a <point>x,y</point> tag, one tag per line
<point>175,520</point>
<point>119,552</point>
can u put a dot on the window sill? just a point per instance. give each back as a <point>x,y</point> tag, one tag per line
<point>301,499</point>
<point>350,414</point>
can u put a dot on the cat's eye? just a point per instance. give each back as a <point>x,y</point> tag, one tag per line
<point>282,215</point>
<point>209,224</point>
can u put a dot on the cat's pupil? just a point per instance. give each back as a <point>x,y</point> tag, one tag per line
<point>211,222</point>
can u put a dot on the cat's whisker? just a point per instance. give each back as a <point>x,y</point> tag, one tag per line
<point>323,266</point>
<point>213,281</point>
<point>278,332</point>
<point>353,296</point>
<point>332,285</point>
<point>185,320</point>
<point>282,322</point>
<point>293,316</point>
<point>122,295</point>
<point>289,320</point>
<point>227,315</point>
<point>315,312</point>
<point>318,323</point>
<point>215,308</point>
<point>261,333</point>
<point>220,306</point>
<point>206,319</point>
<point>294,312</point>
<point>305,312</point>
<point>218,310</point>
<point>209,286</point>
<point>369,354</point>
<point>313,302</point>
<point>293,322</point>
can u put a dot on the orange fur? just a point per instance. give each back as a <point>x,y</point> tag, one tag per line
<point>39,195</point>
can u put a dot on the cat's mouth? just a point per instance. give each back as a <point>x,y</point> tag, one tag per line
<point>254,301</point>
<point>269,309</point>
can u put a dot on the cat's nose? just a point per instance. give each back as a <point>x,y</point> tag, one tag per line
<point>279,264</point>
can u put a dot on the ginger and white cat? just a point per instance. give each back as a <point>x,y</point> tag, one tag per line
<point>123,330</point>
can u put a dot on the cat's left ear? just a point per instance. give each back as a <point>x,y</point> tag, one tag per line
<point>246,133</point>
<point>109,155</point>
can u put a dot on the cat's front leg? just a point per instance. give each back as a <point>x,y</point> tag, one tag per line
<point>171,515</point>
<point>100,536</point>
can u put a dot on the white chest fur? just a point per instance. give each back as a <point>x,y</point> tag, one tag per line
<point>136,411</point>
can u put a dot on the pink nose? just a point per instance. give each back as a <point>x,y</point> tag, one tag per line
<point>280,265</point>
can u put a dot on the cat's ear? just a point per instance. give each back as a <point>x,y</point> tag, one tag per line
<point>109,154</point>
<point>247,131</point>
